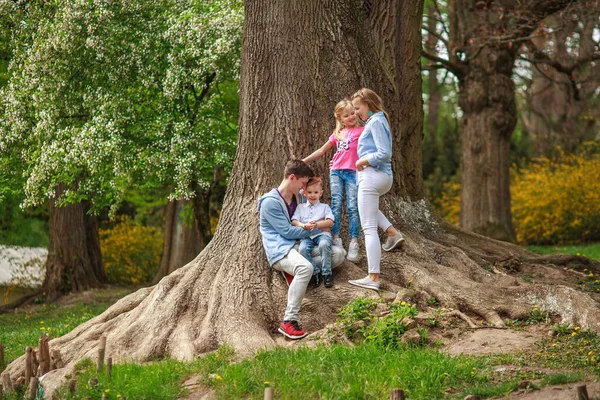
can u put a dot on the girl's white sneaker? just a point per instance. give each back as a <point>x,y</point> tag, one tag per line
<point>353,252</point>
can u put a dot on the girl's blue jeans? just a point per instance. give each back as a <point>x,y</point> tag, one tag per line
<point>338,180</point>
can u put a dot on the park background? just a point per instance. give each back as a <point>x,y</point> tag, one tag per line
<point>139,106</point>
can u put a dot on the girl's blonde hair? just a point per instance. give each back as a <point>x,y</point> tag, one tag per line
<point>372,100</point>
<point>337,113</point>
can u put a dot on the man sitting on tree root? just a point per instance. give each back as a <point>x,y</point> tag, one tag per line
<point>279,237</point>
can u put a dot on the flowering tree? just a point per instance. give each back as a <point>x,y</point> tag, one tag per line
<point>103,96</point>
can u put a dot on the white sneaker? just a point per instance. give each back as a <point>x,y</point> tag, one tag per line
<point>366,283</point>
<point>353,251</point>
<point>392,242</point>
<point>338,242</point>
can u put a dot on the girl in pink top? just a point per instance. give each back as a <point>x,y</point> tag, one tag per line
<point>343,172</point>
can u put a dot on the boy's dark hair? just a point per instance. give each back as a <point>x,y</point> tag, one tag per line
<point>298,168</point>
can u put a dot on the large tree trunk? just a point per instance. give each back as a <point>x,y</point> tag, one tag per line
<point>74,260</point>
<point>487,99</point>
<point>298,60</point>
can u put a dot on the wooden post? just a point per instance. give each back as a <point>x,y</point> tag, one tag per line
<point>40,357</point>
<point>108,367</point>
<point>28,364</point>
<point>1,356</point>
<point>1,391</point>
<point>472,397</point>
<point>35,364</point>
<point>268,393</point>
<point>7,382</point>
<point>397,394</point>
<point>101,353</point>
<point>32,390</point>
<point>46,350</point>
<point>72,384</point>
<point>582,393</point>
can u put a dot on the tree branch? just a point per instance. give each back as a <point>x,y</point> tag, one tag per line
<point>457,69</point>
<point>437,35</point>
<point>539,57</point>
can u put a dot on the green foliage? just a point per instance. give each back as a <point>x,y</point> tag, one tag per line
<point>22,227</point>
<point>386,331</point>
<point>537,316</point>
<point>553,200</point>
<point>105,96</point>
<point>130,252</point>
<point>558,200</point>
<point>358,310</point>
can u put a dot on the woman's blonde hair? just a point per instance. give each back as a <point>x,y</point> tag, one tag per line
<point>372,100</point>
<point>337,113</point>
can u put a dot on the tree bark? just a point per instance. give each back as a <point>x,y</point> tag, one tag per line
<point>74,261</point>
<point>487,99</point>
<point>298,60</point>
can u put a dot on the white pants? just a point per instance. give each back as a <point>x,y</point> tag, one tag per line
<point>302,270</point>
<point>372,183</point>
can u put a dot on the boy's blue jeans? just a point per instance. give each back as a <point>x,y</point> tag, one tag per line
<point>323,242</point>
<point>338,179</point>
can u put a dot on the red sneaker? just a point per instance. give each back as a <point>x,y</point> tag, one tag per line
<point>287,277</point>
<point>292,330</point>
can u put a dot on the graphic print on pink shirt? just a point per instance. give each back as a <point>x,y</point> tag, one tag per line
<point>346,154</point>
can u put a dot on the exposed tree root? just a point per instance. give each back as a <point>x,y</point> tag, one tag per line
<point>23,300</point>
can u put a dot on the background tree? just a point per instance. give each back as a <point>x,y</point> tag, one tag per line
<point>483,41</point>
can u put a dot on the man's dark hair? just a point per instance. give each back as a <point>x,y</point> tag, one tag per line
<point>298,168</point>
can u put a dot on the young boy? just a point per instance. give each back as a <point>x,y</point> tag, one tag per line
<point>310,215</point>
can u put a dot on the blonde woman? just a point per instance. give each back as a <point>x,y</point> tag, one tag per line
<point>374,169</point>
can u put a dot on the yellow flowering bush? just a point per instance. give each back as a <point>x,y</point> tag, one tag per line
<point>130,252</point>
<point>448,204</point>
<point>554,200</point>
<point>558,200</point>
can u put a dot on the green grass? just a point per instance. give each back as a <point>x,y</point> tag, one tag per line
<point>23,328</point>
<point>591,250</point>
<point>338,372</point>
<point>367,371</point>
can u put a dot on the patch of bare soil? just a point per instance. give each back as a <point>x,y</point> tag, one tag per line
<point>561,392</point>
<point>490,341</point>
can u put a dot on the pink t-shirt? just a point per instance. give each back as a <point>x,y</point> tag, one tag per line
<point>346,154</point>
